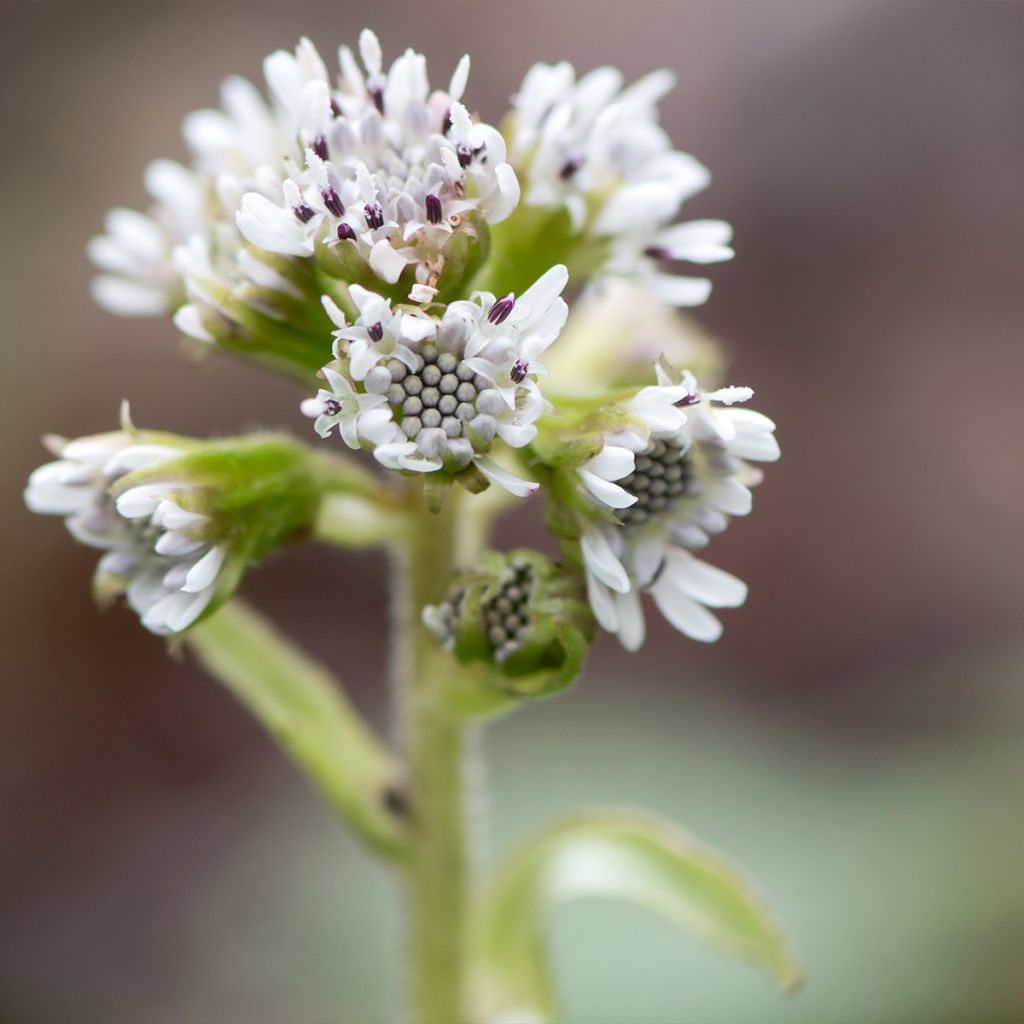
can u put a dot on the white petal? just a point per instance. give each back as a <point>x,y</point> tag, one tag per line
<point>631,620</point>
<point>612,462</point>
<point>703,582</point>
<point>730,496</point>
<point>188,320</point>
<point>679,291</point>
<point>605,491</point>
<point>141,501</point>
<point>602,603</point>
<point>128,298</point>
<point>386,262</point>
<point>685,614</point>
<point>601,560</point>
<point>204,572</point>
<point>699,241</point>
<point>503,478</point>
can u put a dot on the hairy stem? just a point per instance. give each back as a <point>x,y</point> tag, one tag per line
<point>434,748</point>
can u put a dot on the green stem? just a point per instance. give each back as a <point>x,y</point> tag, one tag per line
<point>434,746</point>
<point>305,710</point>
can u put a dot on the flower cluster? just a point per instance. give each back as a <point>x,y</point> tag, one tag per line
<point>597,150</point>
<point>432,393</point>
<point>387,166</point>
<point>377,232</point>
<point>663,472</point>
<point>178,520</point>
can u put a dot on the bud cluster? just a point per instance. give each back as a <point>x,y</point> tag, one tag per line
<point>521,613</point>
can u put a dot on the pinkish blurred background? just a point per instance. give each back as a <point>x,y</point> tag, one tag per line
<point>854,741</point>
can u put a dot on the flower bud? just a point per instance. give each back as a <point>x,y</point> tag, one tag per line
<point>179,520</point>
<point>521,612</point>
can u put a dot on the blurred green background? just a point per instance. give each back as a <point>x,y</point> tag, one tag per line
<point>854,741</point>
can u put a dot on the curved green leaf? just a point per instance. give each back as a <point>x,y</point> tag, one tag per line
<point>614,854</point>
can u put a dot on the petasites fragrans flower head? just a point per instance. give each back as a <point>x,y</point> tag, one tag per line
<point>520,612</point>
<point>432,393</point>
<point>185,256</point>
<point>596,150</point>
<point>178,520</point>
<point>389,173</point>
<point>652,480</point>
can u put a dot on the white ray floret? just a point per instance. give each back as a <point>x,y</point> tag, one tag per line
<point>671,481</point>
<point>155,551</point>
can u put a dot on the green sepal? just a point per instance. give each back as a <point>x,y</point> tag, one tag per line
<point>464,254</point>
<point>436,487</point>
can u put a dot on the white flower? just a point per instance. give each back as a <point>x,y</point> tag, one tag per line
<point>671,481</point>
<point>597,149</point>
<point>155,551</point>
<point>386,165</point>
<point>428,393</point>
<point>187,247</point>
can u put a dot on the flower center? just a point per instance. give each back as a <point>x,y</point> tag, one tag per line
<point>662,476</point>
<point>441,392</point>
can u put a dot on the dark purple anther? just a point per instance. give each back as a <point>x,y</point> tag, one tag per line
<point>433,205</point>
<point>374,215</point>
<point>520,368</point>
<point>331,407</point>
<point>345,231</point>
<point>569,168</point>
<point>375,331</point>
<point>464,153</point>
<point>688,400</point>
<point>378,98</point>
<point>657,252</point>
<point>335,107</point>
<point>304,212</point>
<point>446,125</point>
<point>499,312</point>
<point>333,201</point>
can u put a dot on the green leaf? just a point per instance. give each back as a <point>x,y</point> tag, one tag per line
<point>616,854</point>
<point>305,710</point>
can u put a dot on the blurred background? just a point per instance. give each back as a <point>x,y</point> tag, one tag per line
<point>854,741</point>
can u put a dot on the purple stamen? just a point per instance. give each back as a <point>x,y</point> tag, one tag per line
<point>345,231</point>
<point>688,400</point>
<point>335,107</point>
<point>446,125</point>
<point>464,153</point>
<point>520,368</point>
<point>377,95</point>
<point>375,331</point>
<point>304,212</point>
<point>658,252</point>
<point>333,201</point>
<point>331,407</point>
<point>570,168</point>
<point>433,205</point>
<point>499,312</point>
<point>320,147</point>
<point>374,215</point>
